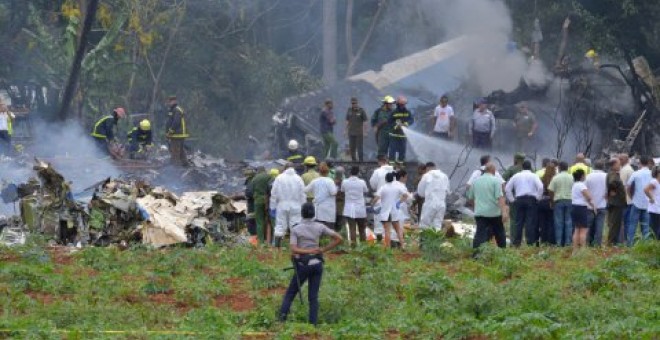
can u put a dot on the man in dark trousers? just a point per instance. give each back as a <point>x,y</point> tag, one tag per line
<point>327,121</point>
<point>616,202</point>
<point>176,132</point>
<point>307,259</point>
<point>489,207</point>
<point>400,118</point>
<point>379,122</point>
<point>356,129</point>
<point>527,189</point>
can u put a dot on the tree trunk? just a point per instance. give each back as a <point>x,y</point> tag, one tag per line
<point>70,88</point>
<point>329,41</point>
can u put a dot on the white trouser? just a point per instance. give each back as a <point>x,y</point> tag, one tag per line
<point>432,216</point>
<point>378,226</point>
<point>285,219</point>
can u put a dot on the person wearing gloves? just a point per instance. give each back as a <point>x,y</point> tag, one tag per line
<point>325,192</point>
<point>434,188</point>
<point>286,198</point>
<point>388,196</point>
<point>355,208</point>
<point>376,182</point>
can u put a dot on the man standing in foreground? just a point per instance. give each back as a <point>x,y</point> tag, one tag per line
<point>327,120</point>
<point>489,207</point>
<point>597,185</point>
<point>560,189</point>
<point>616,202</point>
<point>356,129</point>
<point>527,189</point>
<point>625,173</point>
<point>639,211</point>
<point>445,122</point>
<point>176,132</point>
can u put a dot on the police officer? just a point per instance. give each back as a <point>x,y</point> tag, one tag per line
<point>307,259</point>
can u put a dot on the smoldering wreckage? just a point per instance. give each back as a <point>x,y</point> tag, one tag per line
<point>127,210</point>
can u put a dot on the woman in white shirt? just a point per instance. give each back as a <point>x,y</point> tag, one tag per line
<point>652,191</point>
<point>325,191</point>
<point>355,208</point>
<point>582,206</point>
<point>389,195</point>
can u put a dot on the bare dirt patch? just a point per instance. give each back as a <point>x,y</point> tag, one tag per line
<point>168,298</point>
<point>407,257</point>
<point>238,302</point>
<point>46,298</point>
<point>60,255</point>
<point>277,291</point>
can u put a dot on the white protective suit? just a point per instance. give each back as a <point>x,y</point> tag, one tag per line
<point>287,196</point>
<point>434,188</point>
<point>376,182</point>
<point>325,198</point>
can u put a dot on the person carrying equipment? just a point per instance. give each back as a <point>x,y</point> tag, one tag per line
<point>104,134</point>
<point>140,140</point>
<point>400,118</point>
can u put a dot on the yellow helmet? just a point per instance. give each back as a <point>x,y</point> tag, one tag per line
<point>145,125</point>
<point>388,100</point>
<point>310,160</point>
<point>591,54</point>
<point>274,172</point>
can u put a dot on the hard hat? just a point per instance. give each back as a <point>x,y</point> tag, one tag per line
<point>293,145</point>
<point>310,160</point>
<point>388,100</point>
<point>145,125</point>
<point>591,54</point>
<point>274,172</point>
<point>120,112</point>
<point>401,100</point>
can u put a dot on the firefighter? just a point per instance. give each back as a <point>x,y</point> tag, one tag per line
<point>294,155</point>
<point>379,122</point>
<point>140,140</point>
<point>104,134</point>
<point>176,132</point>
<point>400,118</point>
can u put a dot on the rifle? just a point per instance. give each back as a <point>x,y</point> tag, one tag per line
<point>295,272</point>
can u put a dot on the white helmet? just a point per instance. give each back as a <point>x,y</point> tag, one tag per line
<point>293,145</point>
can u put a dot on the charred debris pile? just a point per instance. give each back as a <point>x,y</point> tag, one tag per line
<point>123,211</point>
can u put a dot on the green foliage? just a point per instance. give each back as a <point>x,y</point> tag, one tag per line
<point>367,293</point>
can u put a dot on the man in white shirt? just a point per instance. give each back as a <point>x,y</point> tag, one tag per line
<point>434,188</point>
<point>376,182</point>
<point>525,189</point>
<point>445,122</point>
<point>485,159</point>
<point>639,214</point>
<point>6,118</point>
<point>597,185</point>
<point>625,173</point>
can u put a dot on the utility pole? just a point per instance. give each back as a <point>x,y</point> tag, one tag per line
<point>329,42</point>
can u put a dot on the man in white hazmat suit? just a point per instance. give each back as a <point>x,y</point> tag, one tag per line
<point>376,181</point>
<point>433,187</point>
<point>286,199</point>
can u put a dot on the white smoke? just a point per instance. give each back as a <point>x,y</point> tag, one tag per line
<point>494,63</point>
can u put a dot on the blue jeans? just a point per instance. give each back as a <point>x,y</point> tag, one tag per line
<point>596,223</point>
<point>563,223</point>
<point>637,216</point>
<point>313,274</point>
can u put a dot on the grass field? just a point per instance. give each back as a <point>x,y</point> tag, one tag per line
<point>367,293</point>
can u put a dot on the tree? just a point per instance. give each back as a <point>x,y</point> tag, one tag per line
<point>329,41</point>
